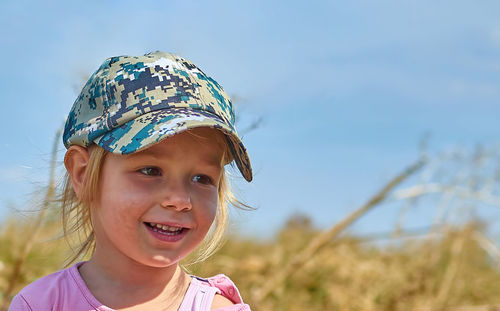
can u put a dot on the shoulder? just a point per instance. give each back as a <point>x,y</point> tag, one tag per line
<point>228,297</point>
<point>221,302</point>
<point>226,287</point>
<point>18,303</point>
<point>46,285</point>
<point>38,294</point>
<point>49,292</point>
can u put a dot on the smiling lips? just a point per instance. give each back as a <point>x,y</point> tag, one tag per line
<point>166,233</point>
<point>164,228</point>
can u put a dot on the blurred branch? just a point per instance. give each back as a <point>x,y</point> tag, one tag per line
<point>238,104</point>
<point>323,238</point>
<point>451,271</point>
<point>418,233</point>
<point>462,192</point>
<point>253,126</point>
<point>488,246</point>
<point>31,236</point>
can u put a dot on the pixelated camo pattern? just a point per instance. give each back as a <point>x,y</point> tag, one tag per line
<point>132,102</point>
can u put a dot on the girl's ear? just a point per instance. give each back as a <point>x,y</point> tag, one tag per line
<point>75,161</point>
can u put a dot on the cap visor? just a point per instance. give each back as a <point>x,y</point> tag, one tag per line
<point>150,128</point>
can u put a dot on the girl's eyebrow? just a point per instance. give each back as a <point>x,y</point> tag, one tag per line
<point>142,155</point>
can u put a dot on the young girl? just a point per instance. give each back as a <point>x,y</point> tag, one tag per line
<point>147,140</point>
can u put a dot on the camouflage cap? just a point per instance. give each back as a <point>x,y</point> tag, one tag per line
<point>133,102</point>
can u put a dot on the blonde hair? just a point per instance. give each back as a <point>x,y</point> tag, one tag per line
<point>76,216</point>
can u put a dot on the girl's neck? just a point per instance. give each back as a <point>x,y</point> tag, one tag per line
<point>130,272</point>
<point>127,283</point>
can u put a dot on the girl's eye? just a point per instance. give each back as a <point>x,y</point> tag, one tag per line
<point>150,171</point>
<point>203,179</point>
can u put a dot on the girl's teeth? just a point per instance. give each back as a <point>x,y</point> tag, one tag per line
<point>165,228</point>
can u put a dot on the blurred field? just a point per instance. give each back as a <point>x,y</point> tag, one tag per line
<point>348,274</point>
<point>445,266</point>
<point>448,269</point>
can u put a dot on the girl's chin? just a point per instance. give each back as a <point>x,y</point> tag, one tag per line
<point>164,260</point>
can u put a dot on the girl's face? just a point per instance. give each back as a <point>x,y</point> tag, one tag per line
<point>155,206</point>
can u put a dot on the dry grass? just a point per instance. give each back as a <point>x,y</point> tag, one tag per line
<point>451,269</point>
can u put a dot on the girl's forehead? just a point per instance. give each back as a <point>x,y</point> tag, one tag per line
<point>204,136</point>
<point>204,133</point>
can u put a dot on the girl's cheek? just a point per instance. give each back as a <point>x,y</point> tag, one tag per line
<point>125,195</point>
<point>207,195</point>
<point>137,189</point>
<point>210,202</point>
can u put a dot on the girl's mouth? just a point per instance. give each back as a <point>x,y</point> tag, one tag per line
<point>166,233</point>
<point>169,230</point>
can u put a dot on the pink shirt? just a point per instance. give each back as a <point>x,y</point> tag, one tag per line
<point>66,290</point>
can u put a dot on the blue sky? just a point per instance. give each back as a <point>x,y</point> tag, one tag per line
<point>346,89</point>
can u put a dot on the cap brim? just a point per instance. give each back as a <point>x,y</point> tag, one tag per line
<point>150,128</point>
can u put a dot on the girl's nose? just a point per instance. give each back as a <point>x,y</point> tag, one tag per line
<point>176,197</point>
